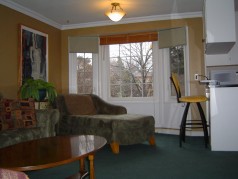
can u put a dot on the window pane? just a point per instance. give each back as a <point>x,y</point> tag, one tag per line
<point>80,89</point>
<point>88,55</point>
<point>131,70</point>
<point>115,91</point>
<point>136,90</point>
<point>148,90</point>
<point>124,50</point>
<point>177,66</point>
<point>114,50</point>
<point>88,89</point>
<point>88,65</point>
<point>115,77</point>
<point>84,73</point>
<point>126,90</point>
<point>80,78</point>
<point>80,55</point>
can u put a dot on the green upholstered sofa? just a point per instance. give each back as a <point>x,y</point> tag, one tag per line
<point>45,127</point>
<point>89,114</point>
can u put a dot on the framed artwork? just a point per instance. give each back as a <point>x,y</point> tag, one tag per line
<point>33,54</point>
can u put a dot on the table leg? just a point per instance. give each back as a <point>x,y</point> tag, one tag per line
<point>82,166</point>
<point>91,166</point>
<point>82,171</point>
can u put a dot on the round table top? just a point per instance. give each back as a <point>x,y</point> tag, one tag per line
<point>49,152</point>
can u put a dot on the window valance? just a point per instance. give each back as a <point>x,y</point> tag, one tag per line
<point>83,44</point>
<point>129,38</point>
<point>172,37</point>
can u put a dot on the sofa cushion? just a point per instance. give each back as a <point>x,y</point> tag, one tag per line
<point>125,128</point>
<point>11,137</point>
<point>16,114</point>
<point>79,104</point>
<point>46,127</point>
<point>85,125</point>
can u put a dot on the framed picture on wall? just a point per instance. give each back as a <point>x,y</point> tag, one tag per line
<point>33,54</point>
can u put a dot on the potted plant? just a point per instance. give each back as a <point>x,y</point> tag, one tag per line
<point>38,90</point>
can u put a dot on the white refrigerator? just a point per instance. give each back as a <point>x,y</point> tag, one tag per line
<point>224,118</point>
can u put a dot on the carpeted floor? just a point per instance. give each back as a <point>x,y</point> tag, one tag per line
<point>165,161</point>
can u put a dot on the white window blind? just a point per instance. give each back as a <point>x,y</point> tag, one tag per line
<point>83,44</point>
<point>172,37</point>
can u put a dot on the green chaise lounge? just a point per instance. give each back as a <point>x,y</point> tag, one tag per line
<point>90,115</point>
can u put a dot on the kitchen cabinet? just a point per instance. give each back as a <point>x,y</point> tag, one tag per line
<point>220,60</point>
<point>219,17</point>
<point>223,118</point>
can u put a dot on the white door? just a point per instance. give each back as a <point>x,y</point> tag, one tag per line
<point>171,111</point>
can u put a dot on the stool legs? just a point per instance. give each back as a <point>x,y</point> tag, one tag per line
<point>183,124</point>
<point>204,124</point>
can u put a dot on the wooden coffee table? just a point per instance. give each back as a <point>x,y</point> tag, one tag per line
<point>51,152</point>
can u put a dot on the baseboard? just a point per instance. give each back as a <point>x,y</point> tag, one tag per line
<point>167,131</point>
<point>176,131</point>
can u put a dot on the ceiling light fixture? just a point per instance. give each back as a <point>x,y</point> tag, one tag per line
<point>116,12</point>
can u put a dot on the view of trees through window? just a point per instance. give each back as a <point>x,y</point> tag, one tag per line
<point>84,73</point>
<point>177,66</point>
<point>131,70</point>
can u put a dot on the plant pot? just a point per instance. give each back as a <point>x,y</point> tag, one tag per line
<point>42,105</point>
<point>42,94</point>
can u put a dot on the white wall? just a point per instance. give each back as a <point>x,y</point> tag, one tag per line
<point>144,108</point>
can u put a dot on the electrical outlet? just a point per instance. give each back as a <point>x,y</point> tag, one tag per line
<point>196,77</point>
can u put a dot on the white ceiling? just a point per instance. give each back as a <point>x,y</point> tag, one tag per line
<point>65,14</point>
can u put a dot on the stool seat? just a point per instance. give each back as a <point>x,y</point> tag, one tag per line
<point>193,99</point>
<point>188,100</point>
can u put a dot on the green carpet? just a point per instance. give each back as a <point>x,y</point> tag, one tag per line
<point>166,160</point>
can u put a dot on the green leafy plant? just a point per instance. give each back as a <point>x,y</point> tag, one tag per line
<point>31,89</point>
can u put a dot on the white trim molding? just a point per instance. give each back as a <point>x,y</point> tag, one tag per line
<point>30,13</point>
<point>171,131</point>
<point>50,22</point>
<point>134,20</point>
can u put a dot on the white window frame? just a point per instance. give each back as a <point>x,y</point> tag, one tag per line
<point>73,73</point>
<point>167,82</point>
<point>105,50</point>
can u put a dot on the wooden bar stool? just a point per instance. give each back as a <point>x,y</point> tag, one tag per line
<point>194,123</point>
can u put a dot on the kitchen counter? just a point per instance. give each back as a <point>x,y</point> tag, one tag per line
<point>228,85</point>
<point>216,84</point>
<point>224,117</point>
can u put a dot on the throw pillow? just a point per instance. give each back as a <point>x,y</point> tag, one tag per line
<point>9,114</point>
<point>27,108</point>
<point>16,114</point>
